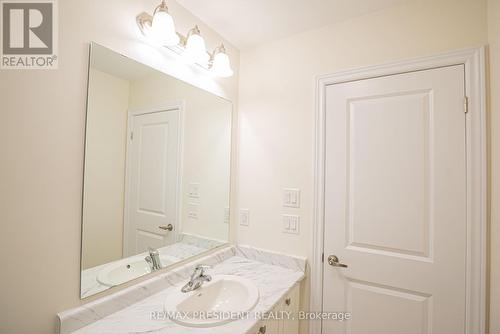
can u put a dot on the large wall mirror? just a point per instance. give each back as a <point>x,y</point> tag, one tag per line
<point>157,171</point>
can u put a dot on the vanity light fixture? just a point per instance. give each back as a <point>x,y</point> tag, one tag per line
<point>160,28</point>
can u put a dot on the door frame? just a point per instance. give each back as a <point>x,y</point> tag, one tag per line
<point>475,86</point>
<point>178,106</point>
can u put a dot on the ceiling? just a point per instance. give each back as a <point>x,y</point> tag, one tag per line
<point>247,23</point>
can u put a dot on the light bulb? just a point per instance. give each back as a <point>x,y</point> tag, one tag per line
<point>196,51</point>
<point>163,28</point>
<point>221,66</point>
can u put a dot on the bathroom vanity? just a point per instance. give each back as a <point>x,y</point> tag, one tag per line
<point>142,308</point>
<point>289,304</point>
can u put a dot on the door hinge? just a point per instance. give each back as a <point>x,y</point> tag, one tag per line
<point>466,104</point>
<point>131,136</point>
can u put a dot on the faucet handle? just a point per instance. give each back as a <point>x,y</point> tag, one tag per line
<point>203,266</point>
<point>149,260</point>
<point>199,270</point>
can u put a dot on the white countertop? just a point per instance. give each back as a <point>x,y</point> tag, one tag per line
<point>274,275</point>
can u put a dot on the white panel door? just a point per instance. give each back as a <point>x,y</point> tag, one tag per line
<point>152,190</point>
<point>395,204</point>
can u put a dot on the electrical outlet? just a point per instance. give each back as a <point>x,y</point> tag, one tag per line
<point>244,217</point>
<point>291,224</point>
<point>291,198</point>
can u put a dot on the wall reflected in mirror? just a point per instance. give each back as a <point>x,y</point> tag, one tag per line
<point>157,171</point>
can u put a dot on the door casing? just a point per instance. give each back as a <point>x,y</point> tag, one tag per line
<point>475,85</point>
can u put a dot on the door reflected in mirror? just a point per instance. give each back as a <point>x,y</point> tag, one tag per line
<point>157,171</point>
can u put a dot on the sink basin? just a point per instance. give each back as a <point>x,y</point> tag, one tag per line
<point>215,303</point>
<point>127,269</point>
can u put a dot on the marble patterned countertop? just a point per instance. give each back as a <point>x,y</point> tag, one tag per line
<point>187,246</point>
<point>129,310</point>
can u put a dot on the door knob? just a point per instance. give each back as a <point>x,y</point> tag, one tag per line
<point>168,227</point>
<point>334,262</point>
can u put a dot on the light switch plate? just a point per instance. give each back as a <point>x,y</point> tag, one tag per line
<point>194,190</point>
<point>192,213</point>
<point>291,224</point>
<point>291,198</point>
<point>244,217</point>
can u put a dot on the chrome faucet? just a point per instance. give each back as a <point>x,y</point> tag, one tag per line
<point>153,259</point>
<point>197,278</point>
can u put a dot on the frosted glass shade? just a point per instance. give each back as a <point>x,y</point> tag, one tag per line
<point>221,66</point>
<point>163,29</point>
<point>196,51</point>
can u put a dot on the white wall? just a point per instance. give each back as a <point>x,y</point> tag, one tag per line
<point>206,149</point>
<point>494,40</point>
<point>103,197</point>
<point>42,122</point>
<point>277,101</point>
